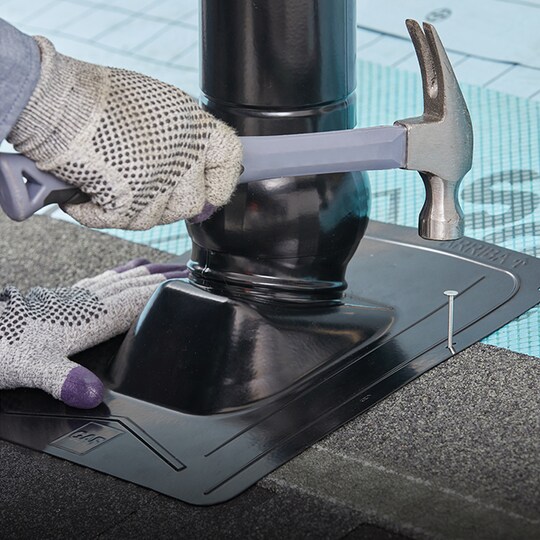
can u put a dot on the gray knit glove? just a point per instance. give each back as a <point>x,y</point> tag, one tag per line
<point>144,151</point>
<point>39,330</point>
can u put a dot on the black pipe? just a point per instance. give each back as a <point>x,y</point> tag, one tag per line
<point>274,67</point>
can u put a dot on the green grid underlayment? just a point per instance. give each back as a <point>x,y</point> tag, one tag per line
<point>501,194</point>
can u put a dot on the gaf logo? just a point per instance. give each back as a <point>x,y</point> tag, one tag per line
<point>86,438</point>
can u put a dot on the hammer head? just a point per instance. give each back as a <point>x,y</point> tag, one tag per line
<point>440,142</point>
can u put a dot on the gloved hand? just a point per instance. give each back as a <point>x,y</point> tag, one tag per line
<point>144,151</point>
<point>40,330</point>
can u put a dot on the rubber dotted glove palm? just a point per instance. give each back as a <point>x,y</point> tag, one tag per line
<point>40,330</point>
<point>143,150</point>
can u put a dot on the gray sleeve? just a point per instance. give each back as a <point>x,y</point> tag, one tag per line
<point>19,73</point>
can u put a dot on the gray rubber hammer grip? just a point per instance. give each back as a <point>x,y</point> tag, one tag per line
<point>24,189</point>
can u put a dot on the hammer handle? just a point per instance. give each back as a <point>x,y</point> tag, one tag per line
<point>366,149</point>
<point>24,188</point>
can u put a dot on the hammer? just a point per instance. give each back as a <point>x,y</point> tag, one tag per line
<point>437,144</point>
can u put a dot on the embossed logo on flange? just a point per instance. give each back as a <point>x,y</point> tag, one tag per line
<point>86,438</point>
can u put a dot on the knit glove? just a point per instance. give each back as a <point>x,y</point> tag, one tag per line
<point>143,150</point>
<point>39,330</point>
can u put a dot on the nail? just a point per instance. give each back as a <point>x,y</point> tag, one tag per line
<point>450,343</point>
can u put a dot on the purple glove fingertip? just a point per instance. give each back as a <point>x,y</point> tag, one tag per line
<point>130,265</point>
<point>206,212</point>
<point>82,389</point>
<point>177,274</point>
<point>164,268</point>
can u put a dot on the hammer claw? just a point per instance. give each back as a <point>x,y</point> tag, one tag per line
<point>424,53</point>
<point>441,66</point>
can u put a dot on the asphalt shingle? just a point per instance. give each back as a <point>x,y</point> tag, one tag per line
<point>452,455</point>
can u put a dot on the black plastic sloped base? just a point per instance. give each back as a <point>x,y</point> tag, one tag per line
<point>207,395</point>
